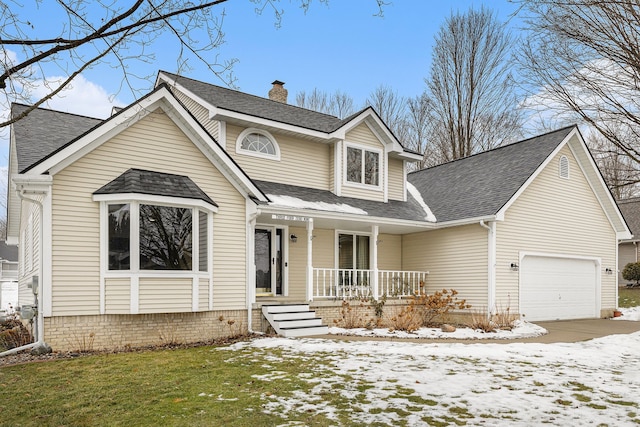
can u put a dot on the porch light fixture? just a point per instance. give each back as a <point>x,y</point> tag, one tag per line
<point>608,271</point>
<point>293,238</point>
<point>514,266</point>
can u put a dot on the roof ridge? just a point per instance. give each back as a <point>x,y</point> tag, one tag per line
<point>57,111</point>
<point>495,149</point>
<point>252,95</point>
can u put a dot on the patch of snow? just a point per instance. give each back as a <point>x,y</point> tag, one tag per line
<point>394,382</point>
<point>521,329</point>
<point>294,202</point>
<point>632,313</point>
<point>416,195</point>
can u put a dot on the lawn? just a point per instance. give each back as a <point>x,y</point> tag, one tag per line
<point>628,297</point>
<point>277,381</point>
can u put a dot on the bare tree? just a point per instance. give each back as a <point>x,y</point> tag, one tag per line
<point>87,34</point>
<point>474,105</point>
<point>392,109</point>
<point>338,104</point>
<point>581,60</point>
<point>619,171</point>
<point>417,118</point>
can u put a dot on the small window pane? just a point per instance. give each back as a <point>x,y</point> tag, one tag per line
<point>371,167</point>
<point>354,165</point>
<point>165,238</point>
<point>258,143</point>
<point>119,239</point>
<point>203,234</point>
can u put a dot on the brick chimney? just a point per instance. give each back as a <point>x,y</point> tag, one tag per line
<point>278,92</point>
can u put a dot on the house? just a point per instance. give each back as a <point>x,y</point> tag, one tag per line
<point>8,277</point>
<point>199,211</point>
<point>628,248</point>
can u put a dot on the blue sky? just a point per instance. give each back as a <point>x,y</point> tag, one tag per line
<point>339,46</point>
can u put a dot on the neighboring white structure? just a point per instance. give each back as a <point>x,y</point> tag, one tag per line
<point>8,277</point>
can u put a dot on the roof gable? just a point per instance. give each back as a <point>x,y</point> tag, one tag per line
<point>160,98</point>
<point>479,186</point>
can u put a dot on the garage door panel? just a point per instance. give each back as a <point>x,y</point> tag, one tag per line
<point>558,288</point>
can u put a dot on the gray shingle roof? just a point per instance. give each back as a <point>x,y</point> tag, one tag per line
<point>44,131</point>
<point>630,209</point>
<point>155,183</point>
<point>481,184</point>
<point>409,210</point>
<point>257,106</point>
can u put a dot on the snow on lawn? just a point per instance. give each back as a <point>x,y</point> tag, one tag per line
<point>521,329</point>
<point>595,382</point>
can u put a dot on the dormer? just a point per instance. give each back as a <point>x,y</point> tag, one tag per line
<point>273,141</point>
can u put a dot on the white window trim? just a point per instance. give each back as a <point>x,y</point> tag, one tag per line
<point>351,233</point>
<point>362,185</point>
<point>134,204</point>
<point>566,159</point>
<point>244,133</point>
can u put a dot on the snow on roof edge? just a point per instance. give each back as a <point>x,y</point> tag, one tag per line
<point>416,195</point>
<point>294,202</point>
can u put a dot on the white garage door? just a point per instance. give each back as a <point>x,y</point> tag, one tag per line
<point>558,288</point>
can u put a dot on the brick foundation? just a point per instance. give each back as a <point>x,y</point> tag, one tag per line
<point>115,331</point>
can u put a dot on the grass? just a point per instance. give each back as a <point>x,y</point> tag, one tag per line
<point>196,387</point>
<point>628,297</point>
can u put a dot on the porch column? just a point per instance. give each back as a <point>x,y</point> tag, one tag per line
<point>310,259</point>
<point>374,259</point>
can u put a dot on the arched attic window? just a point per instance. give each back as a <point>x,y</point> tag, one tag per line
<point>564,167</point>
<point>258,143</point>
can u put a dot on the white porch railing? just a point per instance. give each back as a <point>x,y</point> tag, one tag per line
<point>349,284</point>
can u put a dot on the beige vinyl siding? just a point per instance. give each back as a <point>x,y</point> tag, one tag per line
<point>303,163</point>
<point>297,268</point>
<point>627,252</point>
<point>156,144</point>
<point>28,251</point>
<point>203,294</point>
<point>117,296</point>
<point>396,179</point>
<point>165,295</point>
<point>332,169</point>
<point>361,135</point>
<point>389,252</point>
<point>555,216</point>
<point>456,258</point>
<point>199,112</point>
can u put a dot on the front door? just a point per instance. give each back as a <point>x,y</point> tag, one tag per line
<point>269,259</point>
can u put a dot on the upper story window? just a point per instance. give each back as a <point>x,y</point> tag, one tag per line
<point>564,167</point>
<point>258,143</point>
<point>363,166</point>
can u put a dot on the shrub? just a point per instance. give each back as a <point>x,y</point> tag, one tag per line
<point>14,334</point>
<point>428,310</point>
<point>632,272</point>
<point>351,317</point>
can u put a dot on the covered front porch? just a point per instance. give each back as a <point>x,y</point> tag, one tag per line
<point>301,258</point>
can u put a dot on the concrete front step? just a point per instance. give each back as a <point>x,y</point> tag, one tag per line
<point>305,332</point>
<point>295,315</point>
<point>294,320</point>
<point>285,308</point>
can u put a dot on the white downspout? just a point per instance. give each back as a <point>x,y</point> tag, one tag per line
<point>491,247</point>
<point>39,297</point>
